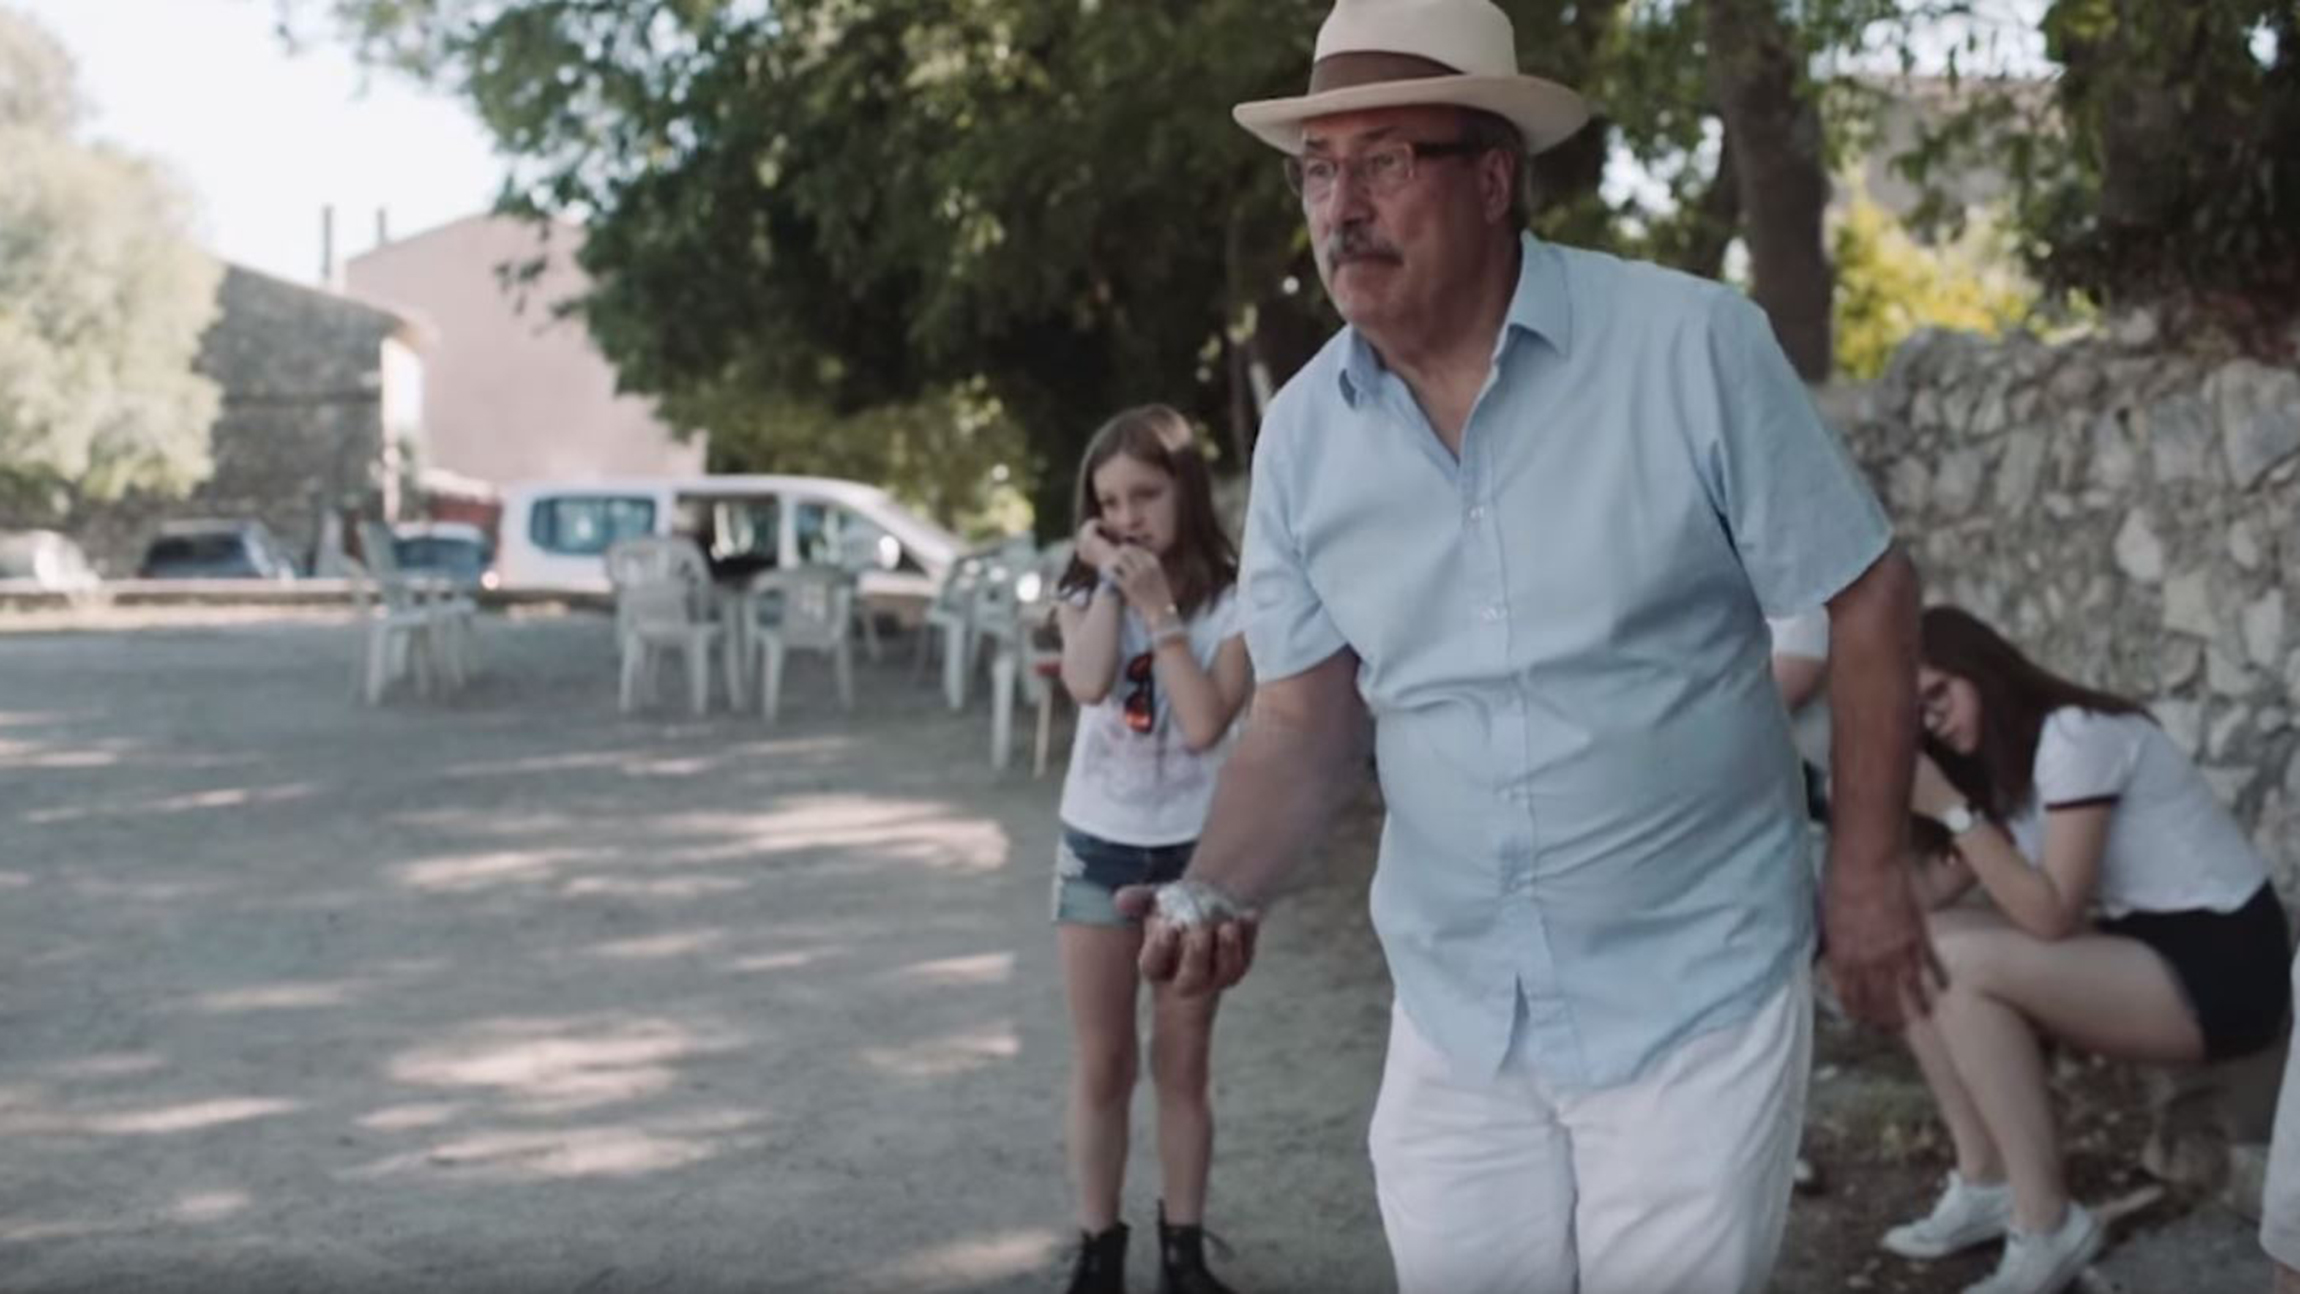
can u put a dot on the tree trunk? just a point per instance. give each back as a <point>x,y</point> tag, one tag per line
<point>1715,218</point>
<point>1774,132</point>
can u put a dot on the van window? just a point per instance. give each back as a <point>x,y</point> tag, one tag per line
<point>834,536</point>
<point>589,525</point>
<point>747,529</point>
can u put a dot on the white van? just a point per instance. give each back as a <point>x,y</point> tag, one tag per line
<point>554,534</point>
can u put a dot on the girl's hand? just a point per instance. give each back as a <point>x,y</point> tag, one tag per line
<point>1930,792</point>
<point>1094,547</point>
<point>1142,579</point>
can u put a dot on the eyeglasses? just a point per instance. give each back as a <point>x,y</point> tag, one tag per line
<point>1384,168</point>
<point>1142,703</point>
<point>1933,703</point>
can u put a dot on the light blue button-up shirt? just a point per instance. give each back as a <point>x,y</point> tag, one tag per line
<point>1595,843</point>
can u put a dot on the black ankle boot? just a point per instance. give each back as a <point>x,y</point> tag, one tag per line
<point>1182,1260</point>
<point>1101,1265</point>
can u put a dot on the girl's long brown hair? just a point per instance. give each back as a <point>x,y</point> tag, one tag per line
<point>1204,561</point>
<point>2016,694</point>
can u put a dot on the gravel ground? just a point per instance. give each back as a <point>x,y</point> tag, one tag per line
<point>514,993</point>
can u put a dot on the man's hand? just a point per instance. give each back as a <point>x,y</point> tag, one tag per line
<point>1198,957</point>
<point>1880,956</point>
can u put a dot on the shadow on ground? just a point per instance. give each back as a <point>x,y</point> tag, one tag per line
<point>516,993</point>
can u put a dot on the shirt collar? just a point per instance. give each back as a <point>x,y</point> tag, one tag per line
<point>1539,307</point>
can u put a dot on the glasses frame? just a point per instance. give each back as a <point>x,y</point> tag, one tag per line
<point>1358,167</point>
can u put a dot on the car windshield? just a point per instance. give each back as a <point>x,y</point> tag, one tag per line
<point>437,553</point>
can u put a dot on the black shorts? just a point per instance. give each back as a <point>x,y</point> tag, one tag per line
<point>2233,967</point>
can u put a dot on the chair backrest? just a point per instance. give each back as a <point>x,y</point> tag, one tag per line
<point>955,594</point>
<point>651,559</point>
<point>363,588</point>
<point>376,552</point>
<point>379,562</point>
<point>817,603</point>
<point>658,580</point>
<point>654,603</point>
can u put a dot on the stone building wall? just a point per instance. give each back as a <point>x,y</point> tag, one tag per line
<point>2128,512</point>
<point>300,430</point>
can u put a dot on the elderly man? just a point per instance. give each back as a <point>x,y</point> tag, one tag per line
<point>1528,512</point>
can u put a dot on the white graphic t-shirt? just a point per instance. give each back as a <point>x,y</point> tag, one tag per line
<point>1146,788</point>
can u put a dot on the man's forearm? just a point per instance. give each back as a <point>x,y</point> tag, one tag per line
<point>1873,714</point>
<point>1278,794</point>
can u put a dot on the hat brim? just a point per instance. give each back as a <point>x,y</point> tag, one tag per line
<point>1545,112</point>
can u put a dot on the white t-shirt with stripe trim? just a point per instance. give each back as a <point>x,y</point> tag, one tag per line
<point>2171,846</point>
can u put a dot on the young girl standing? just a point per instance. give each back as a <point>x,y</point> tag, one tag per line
<point>1152,653</point>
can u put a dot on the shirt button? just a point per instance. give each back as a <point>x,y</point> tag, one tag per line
<point>1477,513</point>
<point>1490,615</point>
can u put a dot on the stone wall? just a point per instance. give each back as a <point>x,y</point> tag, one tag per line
<point>2128,512</point>
<point>300,430</point>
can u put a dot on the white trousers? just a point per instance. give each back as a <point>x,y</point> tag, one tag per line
<point>1675,1183</point>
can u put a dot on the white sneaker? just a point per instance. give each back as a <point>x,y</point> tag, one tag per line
<point>2046,1263</point>
<point>1964,1216</point>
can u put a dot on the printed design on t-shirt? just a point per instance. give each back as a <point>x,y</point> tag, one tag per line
<point>1126,765</point>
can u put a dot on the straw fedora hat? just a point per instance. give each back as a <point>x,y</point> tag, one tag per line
<point>1394,53</point>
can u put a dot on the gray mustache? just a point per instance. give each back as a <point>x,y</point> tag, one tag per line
<point>1352,244</point>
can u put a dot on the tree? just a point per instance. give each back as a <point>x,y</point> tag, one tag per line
<point>850,204</point>
<point>2186,144</point>
<point>1890,285</point>
<point>2160,168</point>
<point>103,301</point>
<point>1781,178</point>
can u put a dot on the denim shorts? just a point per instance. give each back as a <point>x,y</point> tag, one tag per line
<point>1089,871</point>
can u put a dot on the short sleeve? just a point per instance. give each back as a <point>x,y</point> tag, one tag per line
<point>1287,628</point>
<point>2084,757</point>
<point>1221,618</point>
<point>1802,517</point>
<point>1805,634</point>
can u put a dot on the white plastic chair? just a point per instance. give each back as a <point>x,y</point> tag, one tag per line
<point>949,621</point>
<point>1020,664</point>
<point>661,605</point>
<point>395,642</point>
<point>452,640</point>
<point>817,615</point>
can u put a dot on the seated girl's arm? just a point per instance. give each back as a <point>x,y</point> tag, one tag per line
<point>2048,902</point>
<point>1205,700</point>
<point>1090,645</point>
<point>1940,878</point>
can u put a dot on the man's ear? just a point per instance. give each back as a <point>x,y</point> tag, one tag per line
<point>1496,183</point>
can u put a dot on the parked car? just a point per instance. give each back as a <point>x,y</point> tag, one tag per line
<point>455,551</point>
<point>216,550</point>
<point>555,535</point>
<point>43,561</point>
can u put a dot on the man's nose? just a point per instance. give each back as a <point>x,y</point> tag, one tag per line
<point>1346,203</point>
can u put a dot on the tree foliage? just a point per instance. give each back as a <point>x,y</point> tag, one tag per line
<point>103,300</point>
<point>837,206</point>
<point>2164,165</point>
<point>1890,284</point>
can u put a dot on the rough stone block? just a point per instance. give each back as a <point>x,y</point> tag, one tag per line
<point>2258,410</point>
<point>2139,553</point>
